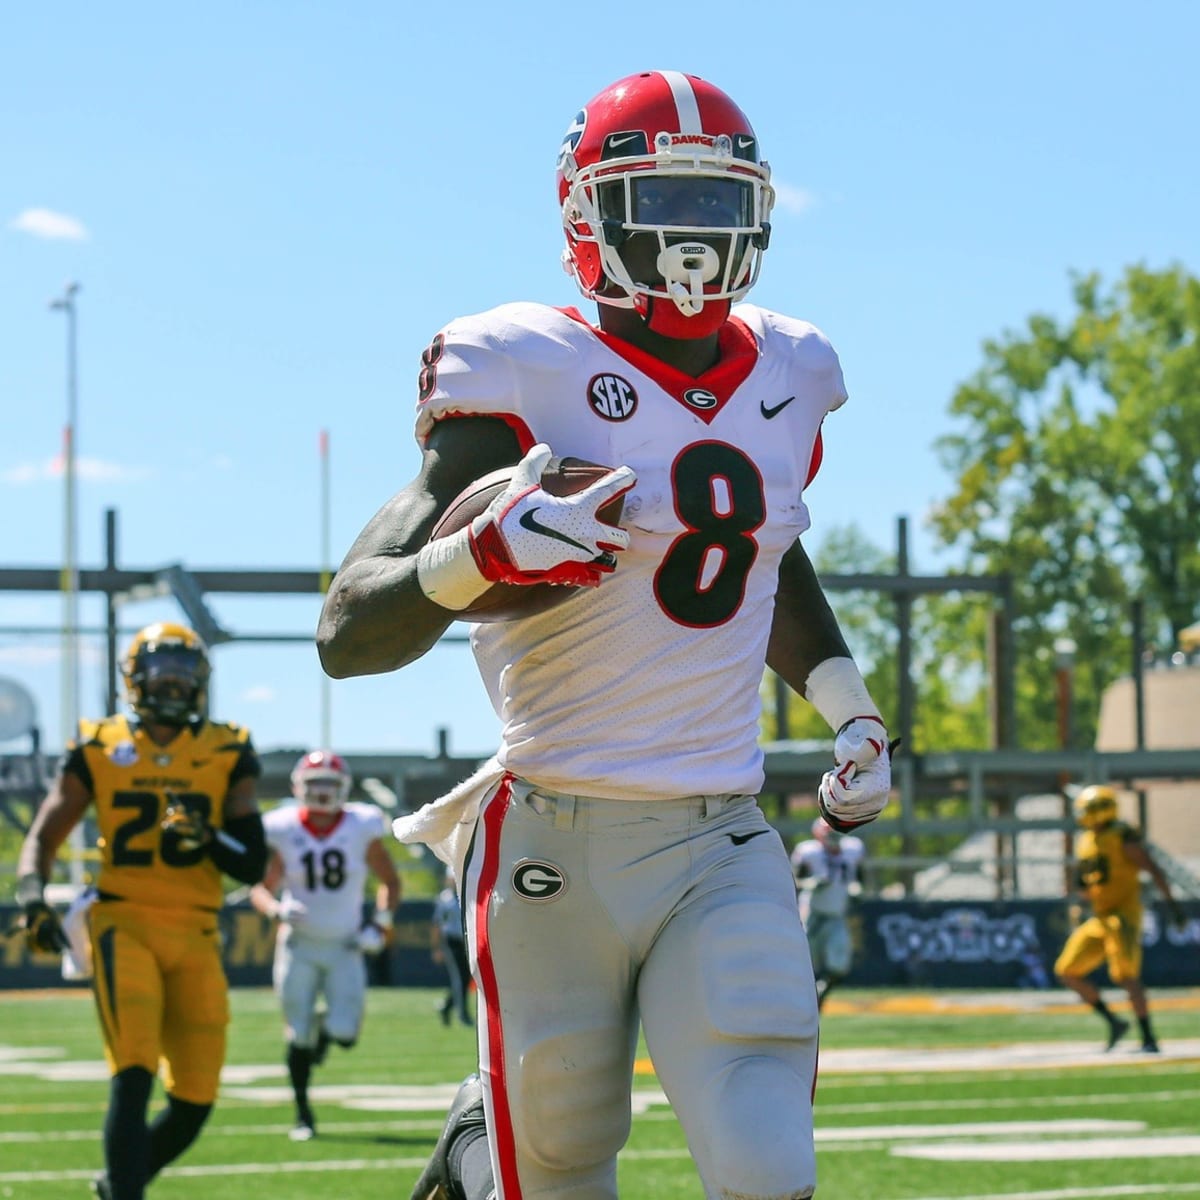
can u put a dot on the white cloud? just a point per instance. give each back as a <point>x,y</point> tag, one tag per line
<point>796,200</point>
<point>45,223</point>
<point>88,470</point>
<point>260,694</point>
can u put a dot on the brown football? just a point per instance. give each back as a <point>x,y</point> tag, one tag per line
<point>511,601</point>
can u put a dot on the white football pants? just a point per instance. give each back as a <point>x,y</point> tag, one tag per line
<point>584,914</point>
<point>307,968</point>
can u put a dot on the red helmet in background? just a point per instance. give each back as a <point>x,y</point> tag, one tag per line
<point>321,781</point>
<point>670,157</point>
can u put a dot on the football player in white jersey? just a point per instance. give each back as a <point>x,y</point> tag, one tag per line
<point>828,869</point>
<point>323,847</point>
<point>447,946</point>
<point>612,857</point>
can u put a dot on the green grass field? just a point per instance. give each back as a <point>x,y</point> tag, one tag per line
<point>934,1096</point>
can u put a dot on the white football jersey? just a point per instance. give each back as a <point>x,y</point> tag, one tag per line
<point>647,687</point>
<point>832,873</point>
<point>326,872</point>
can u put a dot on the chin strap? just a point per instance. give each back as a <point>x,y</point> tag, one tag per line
<point>663,317</point>
<point>689,313</point>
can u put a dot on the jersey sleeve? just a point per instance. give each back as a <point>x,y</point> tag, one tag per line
<point>275,825</point>
<point>1130,834</point>
<point>374,824</point>
<point>492,364</point>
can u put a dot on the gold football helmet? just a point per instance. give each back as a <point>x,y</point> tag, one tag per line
<point>1096,806</point>
<point>166,671</point>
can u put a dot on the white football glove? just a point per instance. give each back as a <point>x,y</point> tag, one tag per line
<point>290,911</point>
<point>371,939</point>
<point>529,536</point>
<point>857,789</point>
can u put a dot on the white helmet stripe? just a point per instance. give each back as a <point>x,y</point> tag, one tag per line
<point>685,102</point>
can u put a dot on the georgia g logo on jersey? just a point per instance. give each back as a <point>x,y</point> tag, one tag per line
<point>538,881</point>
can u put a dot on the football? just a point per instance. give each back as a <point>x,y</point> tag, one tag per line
<point>511,601</point>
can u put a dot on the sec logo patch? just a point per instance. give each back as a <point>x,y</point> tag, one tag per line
<point>612,397</point>
<point>538,881</point>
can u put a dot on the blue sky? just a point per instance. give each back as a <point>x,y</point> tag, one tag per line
<point>271,207</point>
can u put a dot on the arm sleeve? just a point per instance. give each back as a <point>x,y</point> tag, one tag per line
<point>248,864</point>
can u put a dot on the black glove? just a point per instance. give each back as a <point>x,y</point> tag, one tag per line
<point>42,928</point>
<point>185,829</point>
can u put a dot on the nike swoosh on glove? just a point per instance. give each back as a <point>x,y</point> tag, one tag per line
<point>856,791</point>
<point>529,536</point>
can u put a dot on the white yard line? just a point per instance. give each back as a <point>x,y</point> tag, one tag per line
<point>1087,1193</point>
<point>1183,1146</point>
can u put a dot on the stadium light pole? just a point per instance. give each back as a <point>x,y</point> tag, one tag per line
<point>70,569</point>
<point>326,579</point>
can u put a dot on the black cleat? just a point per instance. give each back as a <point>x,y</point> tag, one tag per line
<point>1151,1046</point>
<point>1117,1029</point>
<point>466,1112</point>
<point>100,1187</point>
<point>305,1128</point>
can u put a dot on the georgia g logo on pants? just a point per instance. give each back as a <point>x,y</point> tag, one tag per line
<point>538,881</point>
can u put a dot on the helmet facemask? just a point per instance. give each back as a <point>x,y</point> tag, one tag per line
<point>1096,807</point>
<point>678,233</point>
<point>321,782</point>
<point>166,676</point>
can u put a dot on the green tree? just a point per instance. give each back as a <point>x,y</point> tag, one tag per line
<point>1077,467</point>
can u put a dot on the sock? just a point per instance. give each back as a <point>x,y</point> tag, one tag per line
<point>469,1165</point>
<point>1104,1011</point>
<point>125,1134</point>
<point>173,1131</point>
<point>299,1065</point>
<point>1147,1031</point>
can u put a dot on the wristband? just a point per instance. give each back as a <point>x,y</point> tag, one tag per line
<point>383,918</point>
<point>447,572</point>
<point>837,690</point>
<point>30,889</point>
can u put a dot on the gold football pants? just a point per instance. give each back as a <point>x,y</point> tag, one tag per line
<point>1115,938</point>
<point>161,994</point>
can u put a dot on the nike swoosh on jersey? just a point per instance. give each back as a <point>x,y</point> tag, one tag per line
<point>774,412</point>
<point>529,521</point>
<point>740,839</point>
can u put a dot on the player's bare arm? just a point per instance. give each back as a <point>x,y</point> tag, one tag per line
<point>375,617</point>
<point>1137,854</point>
<point>60,812</point>
<point>387,896</point>
<point>807,650</point>
<point>804,631</point>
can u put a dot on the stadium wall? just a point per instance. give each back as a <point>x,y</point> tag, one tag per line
<point>940,944</point>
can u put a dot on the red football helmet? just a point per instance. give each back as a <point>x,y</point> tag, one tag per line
<point>665,201</point>
<point>321,781</point>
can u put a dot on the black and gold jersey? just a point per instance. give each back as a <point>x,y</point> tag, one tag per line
<point>132,779</point>
<point>1108,879</point>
